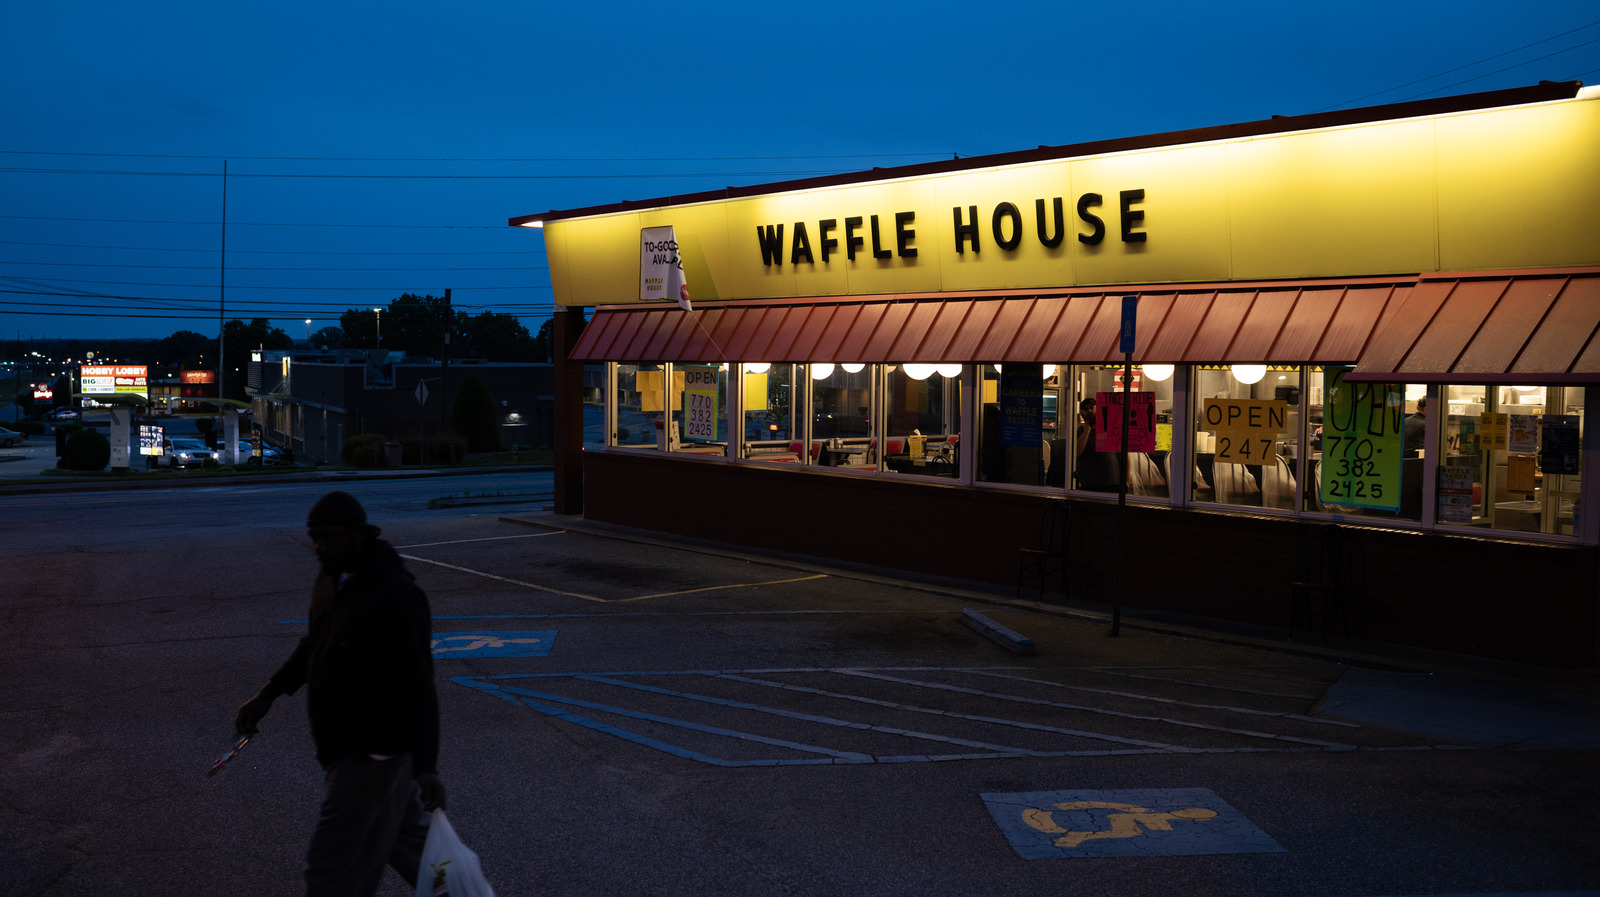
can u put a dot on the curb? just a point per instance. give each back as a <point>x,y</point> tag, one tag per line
<point>1009,639</point>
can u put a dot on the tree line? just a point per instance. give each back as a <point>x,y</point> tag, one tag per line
<point>415,325</point>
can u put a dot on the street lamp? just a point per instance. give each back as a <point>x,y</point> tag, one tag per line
<point>379,313</point>
<point>308,333</point>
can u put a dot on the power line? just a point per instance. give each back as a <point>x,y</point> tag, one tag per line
<point>1470,65</point>
<point>271,268</point>
<point>178,315</point>
<point>215,223</point>
<point>212,251</point>
<point>435,177</point>
<point>231,287</point>
<point>1506,69</point>
<point>944,155</point>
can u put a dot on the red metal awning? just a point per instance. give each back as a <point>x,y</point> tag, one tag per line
<point>1315,322</point>
<point>1495,328</point>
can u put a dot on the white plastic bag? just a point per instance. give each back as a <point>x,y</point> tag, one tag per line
<point>448,867</point>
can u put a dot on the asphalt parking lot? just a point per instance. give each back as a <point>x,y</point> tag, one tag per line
<point>625,714</point>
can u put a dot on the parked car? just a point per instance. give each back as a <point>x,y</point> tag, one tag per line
<point>63,414</point>
<point>9,438</point>
<point>270,454</point>
<point>185,452</point>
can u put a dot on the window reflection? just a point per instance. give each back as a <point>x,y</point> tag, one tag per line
<point>1246,435</point>
<point>1018,420</point>
<point>770,433</point>
<point>922,420</point>
<point>1511,458</point>
<point>640,404</point>
<point>841,417</point>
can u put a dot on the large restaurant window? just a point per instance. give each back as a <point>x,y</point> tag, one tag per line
<point>1365,447</point>
<point>1091,440</point>
<point>699,414</point>
<point>1018,415</point>
<point>1246,435</point>
<point>770,431</point>
<point>1511,458</point>
<point>921,414</point>
<point>842,399</point>
<point>640,401</point>
<point>1278,438</point>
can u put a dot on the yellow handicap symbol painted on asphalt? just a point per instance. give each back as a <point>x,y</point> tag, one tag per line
<point>1130,821</point>
<point>1124,822</point>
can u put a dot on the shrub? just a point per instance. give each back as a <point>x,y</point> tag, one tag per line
<point>450,449</point>
<point>410,445</point>
<point>474,416</point>
<point>86,450</point>
<point>365,450</point>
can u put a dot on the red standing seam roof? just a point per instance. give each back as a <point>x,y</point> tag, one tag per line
<point>1495,328</point>
<point>834,332</point>
<point>947,324</point>
<point>1503,327</point>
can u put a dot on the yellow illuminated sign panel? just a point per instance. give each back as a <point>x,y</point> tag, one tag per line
<point>1496,188</point>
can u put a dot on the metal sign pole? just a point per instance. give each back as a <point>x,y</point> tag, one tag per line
<point>1130,305</point>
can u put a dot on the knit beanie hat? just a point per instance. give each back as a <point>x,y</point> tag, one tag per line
<point>337,509</point>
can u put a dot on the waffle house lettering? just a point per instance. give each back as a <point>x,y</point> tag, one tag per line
<point>887,236</point>
<point>894,235</point>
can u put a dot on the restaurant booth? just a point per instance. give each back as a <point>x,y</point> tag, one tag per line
<point>1354,346</point>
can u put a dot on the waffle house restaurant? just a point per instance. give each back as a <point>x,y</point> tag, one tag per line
<point>1386,319</point>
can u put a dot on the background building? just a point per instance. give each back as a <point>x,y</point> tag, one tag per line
<point>311,402</point>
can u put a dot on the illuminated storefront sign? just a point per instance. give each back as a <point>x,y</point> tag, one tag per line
<point>1381,197</point>
<point>115,379</point>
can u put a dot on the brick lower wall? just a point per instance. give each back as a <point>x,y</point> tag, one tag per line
<point>1523,602</point>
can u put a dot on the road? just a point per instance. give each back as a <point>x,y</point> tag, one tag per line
<point>623,716</point>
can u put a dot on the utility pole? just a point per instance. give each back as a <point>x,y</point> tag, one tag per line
<point>222,286</point>
<point>444,370</point>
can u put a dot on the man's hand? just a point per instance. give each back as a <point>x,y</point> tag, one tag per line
<point>432,791</point>
<point>251,712</point>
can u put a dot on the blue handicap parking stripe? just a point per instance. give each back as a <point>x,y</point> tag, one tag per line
<point>500,643</point>
<point>1124,823</point>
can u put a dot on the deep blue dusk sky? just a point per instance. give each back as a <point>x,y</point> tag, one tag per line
<point>378,148</point>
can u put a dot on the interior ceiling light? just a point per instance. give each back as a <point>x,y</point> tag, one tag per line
<point>1158,372</point>
<point>919,371</point>
<point>822,371</point>
<point>853,367</point>
<point>1249,373</point>
<point>949,370</point>
<point>757,367</point>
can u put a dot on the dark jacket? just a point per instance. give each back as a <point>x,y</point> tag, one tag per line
<point>367,662</point>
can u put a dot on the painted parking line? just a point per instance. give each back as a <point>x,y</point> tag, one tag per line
<point>505,643</point>
<point>595,598</point>
<point>650,708</point>
<point>1124,823</point>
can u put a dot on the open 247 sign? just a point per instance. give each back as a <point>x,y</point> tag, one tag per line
<point>700,403</point>
<point>1247,429</point>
